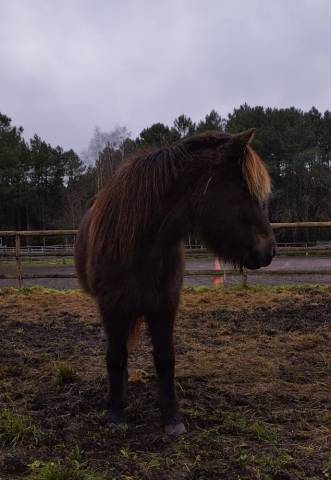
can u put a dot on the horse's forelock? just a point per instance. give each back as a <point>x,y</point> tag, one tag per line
<point>256,175</point>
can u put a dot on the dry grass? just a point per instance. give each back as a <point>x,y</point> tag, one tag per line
<point>253,379</point>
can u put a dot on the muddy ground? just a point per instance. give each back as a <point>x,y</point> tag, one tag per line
<point>253,381</point>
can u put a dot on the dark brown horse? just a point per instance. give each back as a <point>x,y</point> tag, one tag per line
<point>129,254</point>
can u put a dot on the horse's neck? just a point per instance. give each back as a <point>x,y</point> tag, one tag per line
<point>175,220</point>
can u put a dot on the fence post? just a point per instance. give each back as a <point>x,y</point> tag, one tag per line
<point>244,282</point>
<point>18,260</point>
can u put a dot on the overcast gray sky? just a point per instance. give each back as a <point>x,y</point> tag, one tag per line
<point>69,65</point>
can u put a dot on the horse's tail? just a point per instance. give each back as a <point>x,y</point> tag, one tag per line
<point>134,334</point>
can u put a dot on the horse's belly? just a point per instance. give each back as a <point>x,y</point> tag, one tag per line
<point>142,287</point>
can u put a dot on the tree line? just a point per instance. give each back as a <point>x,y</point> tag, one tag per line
<point>42,186</point>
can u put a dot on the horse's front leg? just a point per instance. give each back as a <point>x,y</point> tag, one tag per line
<point>117,331</point>
<point>161,329</point>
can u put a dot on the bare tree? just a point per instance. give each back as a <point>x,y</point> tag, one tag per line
<point>104,150</point>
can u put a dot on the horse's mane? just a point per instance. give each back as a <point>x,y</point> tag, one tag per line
<point>122,211</point>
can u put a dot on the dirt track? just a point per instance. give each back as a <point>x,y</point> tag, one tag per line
<point>253,378</point>
<point>279,264</point>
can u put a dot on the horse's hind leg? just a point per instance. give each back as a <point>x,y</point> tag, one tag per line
<point>161,329</point>
<point>117,330</point>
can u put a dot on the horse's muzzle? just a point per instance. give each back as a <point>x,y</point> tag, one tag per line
<point>258,258</point>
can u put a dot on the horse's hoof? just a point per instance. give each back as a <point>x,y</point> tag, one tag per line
<point>175,428</point>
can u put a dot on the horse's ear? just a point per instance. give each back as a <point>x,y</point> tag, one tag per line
<point>239,141</point>
<point>244,138</point>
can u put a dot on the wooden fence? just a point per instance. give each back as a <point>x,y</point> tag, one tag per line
<point>18,253</point>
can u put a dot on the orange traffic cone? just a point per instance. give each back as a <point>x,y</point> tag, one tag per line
<point>217,280</point>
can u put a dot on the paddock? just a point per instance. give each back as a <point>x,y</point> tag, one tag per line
<point>253,373</point>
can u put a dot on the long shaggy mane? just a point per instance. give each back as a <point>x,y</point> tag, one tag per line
<point>122,211</point>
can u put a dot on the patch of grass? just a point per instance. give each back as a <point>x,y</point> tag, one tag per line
<point>302,288</point>
<point>119,428</point>
<point>194,412</point>
<point>16,428</point>
<point>233,423</point>
<point>275,464</point>
<point>201,289</point>
<point>64,374</point>
<point>151,462</point>
<point>128,454</point>
<point>37,289</point>
<point>236,424</point>
<point>57,470</point>
<point>261,432</point>
<point>144,462</point>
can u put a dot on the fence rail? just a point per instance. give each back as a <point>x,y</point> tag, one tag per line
<point>18,252</point>
<point>45,233</point>
<point>201,252</point>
